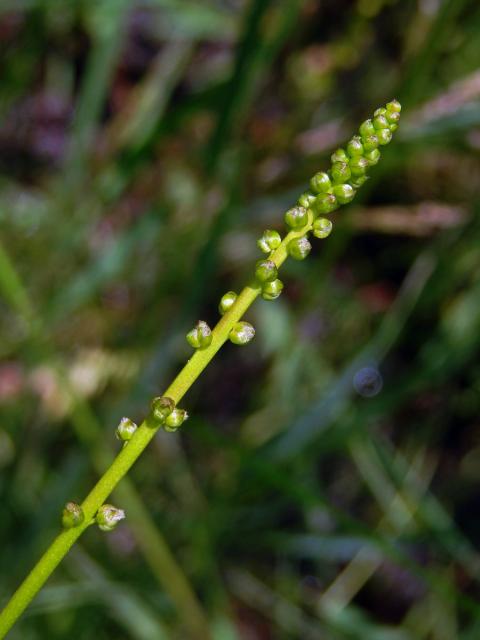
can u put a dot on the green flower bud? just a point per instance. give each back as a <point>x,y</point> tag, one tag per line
<point>320,183</point>
<point>344,193</point>
<point>296,217</point>
<point>162,407</point>
<point>355,147</point>
<point>306,199</point>
<point>381,111</point>
<point>72,515</point>
<point>370,143</point>
<point>380,122</point>
<point>322,227</point>
<point>340,172</point>
<point>299,248</point>
<point>325,203</point>
<point>125,430</point>
<point>339,156</point>
<point>358,166</point>
<point>270,240</point>
<point>175,419</point>
<point>265,270</point>
<point>373,157</point>
<point>108,517</point>
<point>227,302</point>
<point>394,106</point>
<point>393,127</point>
<point>241,333</point>
<point>271,290</point>
<point>200,337</point>
<point>358,182</point>
<point>392,117</point>
<point>384,136</point>
<point>367,129</point>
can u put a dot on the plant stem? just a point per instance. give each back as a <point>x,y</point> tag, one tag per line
<point>150,540</point>
<point>129,454</point>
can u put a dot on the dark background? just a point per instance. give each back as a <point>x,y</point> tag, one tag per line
<point>327,483</point>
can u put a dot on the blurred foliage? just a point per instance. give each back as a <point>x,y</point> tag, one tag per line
<point>326,483</point>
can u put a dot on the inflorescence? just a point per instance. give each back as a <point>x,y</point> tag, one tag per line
<point>328,191</point>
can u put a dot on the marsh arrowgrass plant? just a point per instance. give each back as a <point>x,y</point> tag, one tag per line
<point>328,191</point>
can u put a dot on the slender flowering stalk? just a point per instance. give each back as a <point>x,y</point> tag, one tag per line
<point>328,191</point>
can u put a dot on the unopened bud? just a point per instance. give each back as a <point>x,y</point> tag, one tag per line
<point>271,290</point>
<point>162,407</point>
<point>108,517</point>
<point>269,241</point>
<point>242,333</point>
<point>299,248</point>
<point>200,337</point>
<point>322,227</point>
<point>227,301</point>
<point>72,515</point>
<point>175,419</point>
<point>265,271</point>
<point>125,430</point>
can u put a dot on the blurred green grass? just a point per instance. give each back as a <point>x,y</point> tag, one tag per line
<point>326,485</point>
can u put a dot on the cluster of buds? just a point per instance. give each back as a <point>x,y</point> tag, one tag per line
<point>271,286</point>
<point>266,275</point>
<point>335,187</point>
<point>348,172</point>
<point>328,191</point>
<point>200,337</point>
<point>107,517</point>
<point>165,413</point>
<point>243,332</point>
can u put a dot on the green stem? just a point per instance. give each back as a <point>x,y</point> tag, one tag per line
<point>129,454</point>
<point>149,539</point>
